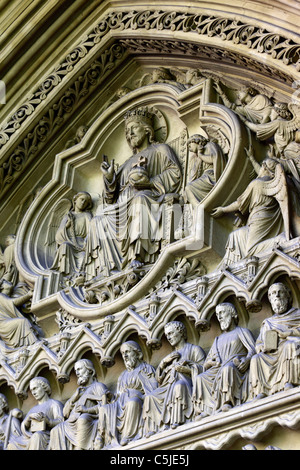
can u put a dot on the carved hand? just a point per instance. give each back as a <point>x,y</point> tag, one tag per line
<point>108,170</point>
<point>217,212</point>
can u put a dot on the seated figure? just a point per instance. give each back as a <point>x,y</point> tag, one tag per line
<point>171,403</point>
<point>120,421</point>
<point>40,419</point>
<point>129,230</point>
<point>78,430</point>
<point>223,384</point>
<point>275,366</point>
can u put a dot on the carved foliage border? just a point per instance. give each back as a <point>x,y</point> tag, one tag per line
<point>254,37</point>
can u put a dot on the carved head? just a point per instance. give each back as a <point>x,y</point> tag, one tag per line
<point>39,387</point>
<point>85,371</point>
<point>227,315</point>
<point>83,201</point>
<point>280,297</point>
<point>10,239</point>
<point>139,127</point>
<point>132,354</point>
<point>282,110</point>
<point>196,141</point>
<point>175,332</point>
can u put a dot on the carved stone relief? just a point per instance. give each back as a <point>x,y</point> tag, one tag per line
<point>138,277</point>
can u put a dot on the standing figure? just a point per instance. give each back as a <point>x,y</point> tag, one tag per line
<point>129,229</point>
<point>40,419</point>
<point>171,403</point>
<point>121,420</point>
<point>207,163</point>
<point>80,411</point>
<point>224,384</point>
<point>71,236</point>
<point>276,364</point>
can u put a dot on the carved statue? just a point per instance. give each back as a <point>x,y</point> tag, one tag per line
<point>250,105</point>
<point>7,259</point>
<point>171,403</point>
<point>284,122</point>
<point>80,411</point>
<point>15,330</point>
<point>128,230</point>
<point>224,384</point>
<point>10,426</point>
<point>276,367</point>
<point>207,163</point>
<point>265,203</point>
<point>71,234</point>
<point>40,419</point>
<point>120,421</point>
<point>80,133</point>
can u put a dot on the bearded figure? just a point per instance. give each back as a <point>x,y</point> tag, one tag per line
<point>121,420</point>
<point>128,232</point>
<point>276,366</point>
<point>224,382</point>
<point>78,431</point>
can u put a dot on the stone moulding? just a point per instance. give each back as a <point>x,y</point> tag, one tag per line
<point>249,421</point>
<point>21,129</point>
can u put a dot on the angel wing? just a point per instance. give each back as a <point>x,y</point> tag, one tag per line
<point>59,211</point>
<point>216,135</point>
<point>294,123</point>
<point>277,188</point>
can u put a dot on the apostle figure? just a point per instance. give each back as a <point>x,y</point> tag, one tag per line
<point>40,419</point>
<point>128,231</point>
<point>120,421</point>
<point>10,426</point>
<point>71,236</point>
<point>171,403</point>
<point>276,366</point>
<point>223,384</point>
<point>15,329</point>
<point>80,411</point>
<point>207,163</point>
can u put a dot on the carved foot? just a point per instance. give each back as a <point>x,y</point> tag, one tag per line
<point>136,264</point>
<point>124,441</point>
<point>288,386</point>
<point>260,396</point>
<point>201,416</point>
<point>226,407</point>
<point>99,443</point>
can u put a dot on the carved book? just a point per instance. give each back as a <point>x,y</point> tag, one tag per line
<point>271,340</point>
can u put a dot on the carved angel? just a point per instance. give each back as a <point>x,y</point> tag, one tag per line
<point>250,104</point>
<point>207,162</point>
<point>285,121</point>
<point>266,204</point>
<point>68,228</point>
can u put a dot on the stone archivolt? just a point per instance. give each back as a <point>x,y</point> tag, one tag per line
<point>141,269</point>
